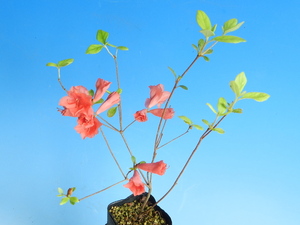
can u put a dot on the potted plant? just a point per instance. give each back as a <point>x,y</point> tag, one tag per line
<point>88,106</point>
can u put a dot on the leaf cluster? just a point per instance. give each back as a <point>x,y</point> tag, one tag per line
<point>67,197</point>
<point>102,37</point>
<point>209,34</point>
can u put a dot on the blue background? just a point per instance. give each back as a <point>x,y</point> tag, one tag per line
<point>249,175</point>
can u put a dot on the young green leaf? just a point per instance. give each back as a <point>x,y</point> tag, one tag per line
<point>73,200</point>
<point>99,101</point>
<point>211,107</point>
<point>65,62</point>
<point>222,106</point>
<point>123,48</point>
<point>133,159</point>
<point>195,47</point>
<point>183,87</point>
<point>203,20</point>
<point>205,58</point>
<point>207,33</point>
<point>206,122</point>
<point>51,64</point>
<point>234,87</point>
<point>231,25</point>
<point>241,81</point>
<point>91,92</point>
<point>175,75</point>
<point>209,51</point>
<point>219,130</point>
<point>198,127</point>
<point>60,190</point>
<point>229,39</point>
<point>94,49</point>
<point>201,43</point>
<point>237,111</point>
<point>214,28</point>
<point>112,111</point>
<point>257,96</point>
<point>119,90</point>
<point>102,36</point>
<point>64,200</point>
<point>186,120</point>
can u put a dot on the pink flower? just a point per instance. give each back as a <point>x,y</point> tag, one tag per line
<point>135,184</point>
<point>157,96</point>
<point>141,116</point>
<point>88,125</point>
<point>168,114</point>
<point>157,168</point>
<point>112,99</point>
<point>78,101</point>
<point>101,88</point>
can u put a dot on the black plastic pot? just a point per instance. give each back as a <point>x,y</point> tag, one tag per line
<point>131,198</point>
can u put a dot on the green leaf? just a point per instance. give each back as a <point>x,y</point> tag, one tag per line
<point>229,39</point>
<point>201,43</point>
<point>51,64</point>
<point>141,162</point>
<point>211,107</point>
<point>237,111</point>
<point>133,159</point>
<point>219,130</point>
<point>203,20</point>
<point>234,87</point>
<point>231,25</point>
<point>186,120</point>
<point>112,111</point>
<point>123,48</point>
<point>206,122</point>
<point>99,101</point>
<point>60,195</point>
<point>114,46</point>
<point>102,36</point>
<point>73,200</point>
<point>183,87</point>
<point>64,200</point>
<point>222,106</point>
<point>205,58</point>
<point>213,29</point>
<point>94,49</point>
<point>198,127</point>
<point>91,92</point>
<point>207,33</point>
<point>65,62</point>
<point>209,51</point>
<point>119,90</point>
<point>257,96</point>
<point>195,47</point>
<point>175,75</point>
<point>60,190</point>
<point>241,81</point>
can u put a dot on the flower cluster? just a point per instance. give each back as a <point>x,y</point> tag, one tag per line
<point>79,104</point>
<point>135,183</point>
<point>157,97</point>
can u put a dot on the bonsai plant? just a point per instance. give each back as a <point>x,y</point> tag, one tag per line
<point>88,106</point>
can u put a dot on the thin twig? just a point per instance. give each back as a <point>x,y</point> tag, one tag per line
<point>111,152</point>
<point>102,190</point>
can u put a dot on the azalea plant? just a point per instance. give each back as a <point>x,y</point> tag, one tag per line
<point>89,107</point>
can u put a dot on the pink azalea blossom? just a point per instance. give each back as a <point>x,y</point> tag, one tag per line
<point>141,116</point>
<point>112,99</point>
<point>77,102</point>
<point>135,184</point>
<point>101,88</point>
<point>88,125</point>
<point>157,168</point>
<point>168,114</point>
<point>157,96</point>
